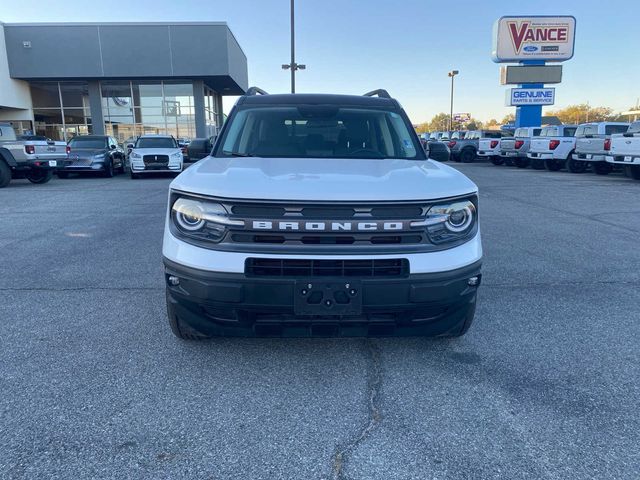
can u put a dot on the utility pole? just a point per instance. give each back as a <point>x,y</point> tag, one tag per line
<point>293,66</point>
<point>452,74</point>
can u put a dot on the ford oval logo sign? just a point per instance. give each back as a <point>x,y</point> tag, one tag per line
<point>530,48</point>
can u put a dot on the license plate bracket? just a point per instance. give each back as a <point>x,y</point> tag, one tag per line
<point>327,297</point>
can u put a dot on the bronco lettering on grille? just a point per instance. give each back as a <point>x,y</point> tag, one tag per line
<point>326,226</point>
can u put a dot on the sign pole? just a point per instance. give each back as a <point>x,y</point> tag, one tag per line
<point>529,115</point>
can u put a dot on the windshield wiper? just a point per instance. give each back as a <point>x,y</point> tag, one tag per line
<point>238,154</point>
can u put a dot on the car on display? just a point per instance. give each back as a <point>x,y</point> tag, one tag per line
<point>625,150</point>
<point>514,149</point>
<point>93,154</point>
<point>155,154</point>
<point>320,215</point>
<point>35,160</point>
<point>491,147</point>
<point>553,147</point>
<point>466,149</point>
<point>199,148</point>
<point>593,141</point>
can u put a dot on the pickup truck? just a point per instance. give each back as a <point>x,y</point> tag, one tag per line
<point>35,160</point>
<point>625,150</point>
<point>593,141</point>
<point>514,149</point>
<point>490,147</point>
<point>320,215</point>
<point>466,149</point>
<point>553,147</point>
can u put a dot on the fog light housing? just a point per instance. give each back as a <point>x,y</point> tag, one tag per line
<point>173,280</point>
<point>473,281</point>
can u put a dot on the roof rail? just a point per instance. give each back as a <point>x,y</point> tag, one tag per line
<point>379,93</point>
<point>255,91</point>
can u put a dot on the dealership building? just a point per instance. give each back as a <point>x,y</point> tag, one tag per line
<point>119,79</point>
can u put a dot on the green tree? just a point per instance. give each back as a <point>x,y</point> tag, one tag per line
<point>507,119</point>
<point>582,113</point>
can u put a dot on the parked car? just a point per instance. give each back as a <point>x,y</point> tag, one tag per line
<point>155,154</point>
<point>514,149</point>
<point>93,153</point>
<point>625,150</point>
<point>437,136</point>
<point>199,148</point>
<point>593,141</point>
<point>183,143</point>
<point>32,159</point>
<point>490,147</point>
<point>465,149</point>
<point>277,232</point>
<point>553,147</point>
<point>439,151</point>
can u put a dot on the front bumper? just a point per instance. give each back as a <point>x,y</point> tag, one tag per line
<point>235,304</point>
<point>141,168</point>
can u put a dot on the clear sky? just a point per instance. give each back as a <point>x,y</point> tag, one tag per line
<point>405,46</point>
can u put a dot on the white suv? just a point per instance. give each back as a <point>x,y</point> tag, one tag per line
<point>155,154</point>
<point>321,215</point>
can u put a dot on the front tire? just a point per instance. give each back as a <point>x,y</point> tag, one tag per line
<point>39,176</point>
<point>633,171</point>
<point>602,168</point>
<point>468,155</point>
<point>108,169</point>
<point>5,174</point>
<point>497,160</point>
<point>576,166</point>
<point>552,165</point>
<point>537,164</point>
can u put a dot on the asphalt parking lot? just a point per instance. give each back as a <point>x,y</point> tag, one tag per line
<point>545,385</point>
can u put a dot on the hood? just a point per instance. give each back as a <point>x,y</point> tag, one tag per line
<point>329,179</point>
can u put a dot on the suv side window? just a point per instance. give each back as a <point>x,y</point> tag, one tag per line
<point>569,132</point>
<point>611,129</point>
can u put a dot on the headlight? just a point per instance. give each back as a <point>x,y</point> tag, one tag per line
<point>135,155</point>
<point>200,219</point>
<point>451,221</point>
<point>177,155</point>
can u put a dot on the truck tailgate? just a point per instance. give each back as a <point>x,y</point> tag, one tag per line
<point>540,145</point>
<point>590,145</point>
<point>508,144</point>
<point>621,145</point>
<point>49,150</point>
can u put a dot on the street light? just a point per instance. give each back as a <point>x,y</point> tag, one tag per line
<point>452,74</point>
<point>293,66</point>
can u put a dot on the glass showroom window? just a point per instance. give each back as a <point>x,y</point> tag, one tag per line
<point>61,109</point>
<point>179,110</point>
<point>117,109</point>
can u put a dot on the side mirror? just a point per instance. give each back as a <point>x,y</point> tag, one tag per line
<point>112,146</point>
<point>130,146</point>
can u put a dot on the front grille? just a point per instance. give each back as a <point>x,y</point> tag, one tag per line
<point>292,212</point>
<point>81,162</point>
<point>274,267</point>
<point>155,160</point>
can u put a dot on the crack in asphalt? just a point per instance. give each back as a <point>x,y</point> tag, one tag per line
<point>374,385</point>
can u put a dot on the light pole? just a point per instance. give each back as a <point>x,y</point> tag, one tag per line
<point>293,66</point>
<point>452,74</point>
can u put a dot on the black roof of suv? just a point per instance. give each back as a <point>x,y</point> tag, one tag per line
<point>316,99</point>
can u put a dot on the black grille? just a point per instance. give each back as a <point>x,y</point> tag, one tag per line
<point>155,159</point>
<point>273,267</point>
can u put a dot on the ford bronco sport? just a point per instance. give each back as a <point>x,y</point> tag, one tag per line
<point>320,215</point>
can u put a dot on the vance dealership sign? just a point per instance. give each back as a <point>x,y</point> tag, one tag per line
<point>549,39</point>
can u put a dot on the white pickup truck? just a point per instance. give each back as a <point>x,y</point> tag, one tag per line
<point>513,150</point>
<point>625,150</point>
<point>35,160</point>
<point>593,141</point>
<point>490,146</point>
<point>553,147</point>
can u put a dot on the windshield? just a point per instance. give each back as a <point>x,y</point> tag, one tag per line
<point>80,142</point>
<point>325,131</point>
<point>152,142</point>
